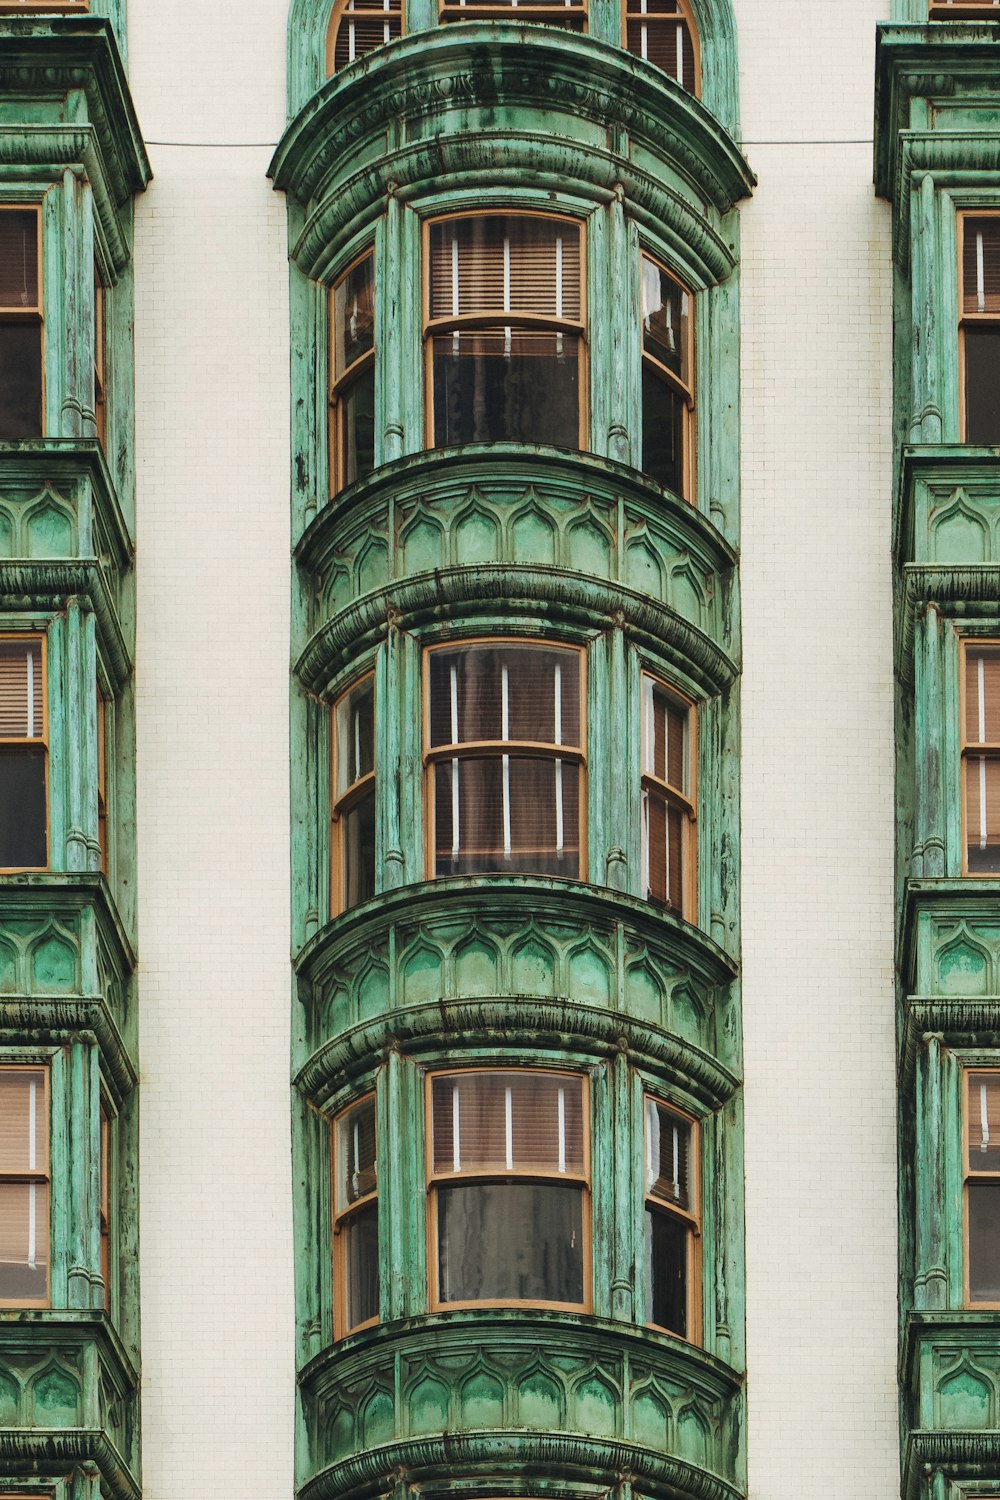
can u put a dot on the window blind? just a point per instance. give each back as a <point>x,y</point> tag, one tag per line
<point>509,692</point>
<point>495,1122</point>
<point>356,1158</point>
<point>668,1155</point>
<point>354,315</point>
<point>22,698</point>
<point>983,1107</point>
<point>980,265</point>
<point>665,737</point>
<point>360,27</point>
<point>665,319</point>
<point>505,264</point>
<point>659,31</point>
<point>18,259</point>
<point>355,721</point>
<point>982,695</point>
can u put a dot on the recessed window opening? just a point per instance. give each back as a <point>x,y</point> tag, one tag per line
<point>982,1187</point>
<point>355,1223</point>
<point>23,754</point>
<point>672,1223</point>
<point>570,14</point>
<point>24,1186</point>
<point>357,27</point>
<point>353,822</point>
<point>352,361</point>
<point>979,328</point>
<point>668,809</point>
<point>667,380</point>
<point>20,324</point>
<point>981,756</point>
<point>663,33</point>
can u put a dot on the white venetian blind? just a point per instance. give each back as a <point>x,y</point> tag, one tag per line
<point>498,1122</point>
<point>981,265</point>
<point>501,263</point>
<point>22,699</point>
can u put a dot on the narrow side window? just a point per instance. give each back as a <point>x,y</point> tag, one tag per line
<point>981,756</point>
<point>982,1188</point>
<point>668,806</point>
<point>355,1218</point>
<point>352,365</point>
<point>20,324</point>
<point>352,838</point>
<point>667,381</point>
<point>24,1187</point>
<point>979,328</point>
<point>358,27</point>
<point>672,1221</point>
<point>23,754</point>
<point>664,33</point>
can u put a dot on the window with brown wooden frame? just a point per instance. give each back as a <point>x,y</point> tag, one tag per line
<point>100,361</point>
<point>358,27</point>
<point>979,327</point>
<point>20,323</point>
<point>102,777</point>
<point>569,14</point>
<point>504,759</point>
<point>24,1186</point>
<point>664,33</point>
<point>23,754</point>
<point>965,10</point>
<point>355,1218</point>
<point>669,830</point>
<point>508,1188</point>
<point>673,1224</point>
<point>981,756</point>
<point>504,332</point>
<point>105,1204</point>
<point>352,829</point>
<point>667,380</point>
<point>352,365</point>
<point>982,1187</point>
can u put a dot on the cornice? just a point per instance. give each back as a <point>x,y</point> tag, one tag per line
<point>544,593</point>
<point>972,1456</point>
<point>956,1022</point>
<point>50,585</point>
<point>40,1451</point>
<point>26,1019</point>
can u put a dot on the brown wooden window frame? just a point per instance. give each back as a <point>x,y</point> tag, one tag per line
<point>969,1176</point>
<point>40,741</point>
<point>964,10</point>
<point>102,776</point>
<point>392,13</point>
<point>35,316</point>
<point>487,321</point>
<point>575,16</point>
<point>972,749</point>
<point>686,802</point>
<point>341,1217</point>
<point>438,1179</point>
<point>105,1198</point>
<point>633,13</point>
<point>465,749</point>
<point>344,802</point>
<point>41,1176</point>
<point>100,361</point>
<point>341,385</point>
<point>691,1218</point>
<point>967,319</point>
<point>684,389</point>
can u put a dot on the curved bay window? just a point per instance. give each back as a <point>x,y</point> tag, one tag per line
<point>979,327</point>
<point>572,14</point>
<point>672,1223</point>
<point>504,757</point>
<point>352,833</point>
<point>359,26</point>
<point>505,330</point>
<point>508,1188</point>
<point>668,808</point>
<point>982,1188</point>
<point>355,1218</point>
<point>664,33</point>
<point>352,362</point>
<point>24,1187</point>
<point>23,779</point>
<point>667,380</point>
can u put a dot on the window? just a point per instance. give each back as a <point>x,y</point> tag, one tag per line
<point>505,330</point>
<point>23,792</point>
<point>979,332</point>
<point>100,344</point>
<point>668,809</point>
<point>961,10</point>
<point>352,359</point>
<point>359,26</point>
<point>355,1218</point>
<point>102,777</point>
<point>572,14</point>
<point>672,1226</point>
<point>667,383</point>
<point>24,1187</point>
<point>982,1187</point>
<point>353,826</point>
<point>20,324</point>
<point>504,758</point>
<point>664,33</point>
<point>508,1188</point>
<point>105,1205</point>
<point>981,756</point>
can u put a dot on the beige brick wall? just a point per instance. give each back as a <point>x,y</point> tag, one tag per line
<point>212,440</point>
<point>817,764</point>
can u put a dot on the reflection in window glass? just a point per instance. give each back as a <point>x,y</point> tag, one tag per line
<point>353,824</point>
<point>668,403</point>
<point>671,1222</point>
<point>356,1216</point>
<point>352,394</point>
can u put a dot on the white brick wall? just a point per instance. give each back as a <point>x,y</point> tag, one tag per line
<point>212,439</point>
<point>817,764</point>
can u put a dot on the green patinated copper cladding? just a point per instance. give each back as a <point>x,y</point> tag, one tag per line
<point>542,544</point>
<point>937,153</point>
<point>69,142</point>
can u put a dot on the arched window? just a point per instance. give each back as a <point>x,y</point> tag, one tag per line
<point>359,26</point>
<point>664,33</point>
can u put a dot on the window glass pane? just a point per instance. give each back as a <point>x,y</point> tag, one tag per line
<point>984,1241</point>
<point>505,263</point>
<point>354,315</point>
<point>982,812</point>
<point>507,813</point>
<point>359,850</point>
<point>19,259</point>
<point>664,833</point>
<point>656,31</point>
<point>981,265</point>
<point>982,385</point>
<point>356,408</point>
<point>983,1105</point>
<point>20,380</point>
<point>356,1164</point>
<point>664,319</point>
<point>512,692</point>
<point>665,736</point>
<point>24,1241</point>
<point>504,1121</point>
<point>521,1241</point>
<point>355,715</point>
<point>24,1121</point>
<point>668,1155</point>
<point>23,841</point>
<point>982,694</point>
<point>666,1272</point>
<point>22,697</point>
<point>663,417</point>
<point>361,1261</point>
<point>362,26</point>
<point>507,386</point>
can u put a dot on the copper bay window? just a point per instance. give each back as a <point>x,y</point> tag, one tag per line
<point>505,330</point>
<point>508,1185</point>
<point>504,759</point>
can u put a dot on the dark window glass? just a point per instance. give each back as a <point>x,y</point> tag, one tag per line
<point>354,315</point>
<point>517,1241</point>
<point>663,414</point>
<point>666,1272</point>
<point>507,813</point>
<point>659,31</point>
<point>357,427</point>
<point>23,841</point>
<point>361,1231</point>
<point>522,387</point>
<point>356,1213</point>
<point>20,380</point>
<point>24,1206</point>
<point>359,850</point>
<point>540,702</point>
<point>18,258</point>
<point>359,27</point>
<point>982,385</point>
<point>984,1241</point>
